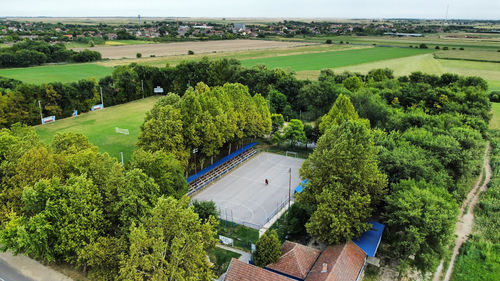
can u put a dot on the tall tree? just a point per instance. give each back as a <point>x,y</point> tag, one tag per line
<point>267,249</point>
<point>170,244</point>
<point>341,111</point>
<point>294,132</point>
<point>342,173</point>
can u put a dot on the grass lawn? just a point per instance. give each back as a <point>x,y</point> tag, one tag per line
<point>318,61</point>
<point>57,73</point>
<point>99,127</point>
<point>243,236</point>
<point>495,118</point>
<point>221,259</point>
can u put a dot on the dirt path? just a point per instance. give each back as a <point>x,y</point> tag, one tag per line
<point>465,221</point>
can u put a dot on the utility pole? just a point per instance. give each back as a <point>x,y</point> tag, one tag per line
<point>41,114</point>
<point>289,186</point>
<point>142,88</point>
<point>102,101</point>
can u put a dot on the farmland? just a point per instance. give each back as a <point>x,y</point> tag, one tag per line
<point>57,73</point>
<point>181,48</point>
<point>100,126</point>
<point>319,61</point>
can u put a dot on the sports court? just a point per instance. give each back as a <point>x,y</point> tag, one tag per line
<point>244,193</point>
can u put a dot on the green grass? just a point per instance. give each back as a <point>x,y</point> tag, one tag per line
<point>221,259</point>
<point>243,236</point>
<point>473,55</point>
<point>57,73</point>
<point>99,127</point>
<point>495,118</point>
<point>318,61</point>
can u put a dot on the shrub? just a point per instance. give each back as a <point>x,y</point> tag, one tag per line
<point>205,209</point>
<point>328,41</point>
<point>445,48</point>
<point>437,48</point>
<point>138,55</point>
<point>423,46</point>
<point>152,56</point>
<point>190,52</point>
<point>461,48</point>
<point>267,249</point>
<point>494,96</point>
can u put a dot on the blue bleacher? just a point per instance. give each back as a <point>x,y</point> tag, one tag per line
<point>220,162</point>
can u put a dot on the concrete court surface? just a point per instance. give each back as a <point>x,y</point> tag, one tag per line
<point>244,192</point>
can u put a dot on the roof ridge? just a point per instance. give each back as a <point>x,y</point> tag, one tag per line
<point>338,258</point>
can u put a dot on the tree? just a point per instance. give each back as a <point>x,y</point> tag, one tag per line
<point>353,83</point>
<point>170,244</point>
<point>343,175</point>
<point>205,209</point>
<point>421,220</point>
<point>267,249</point>
<point>164,169</point>
<point>294,132</point>
<point>138,55</point>
<point>277,121</point>
<point>341,111</point>
<point>103,257</point>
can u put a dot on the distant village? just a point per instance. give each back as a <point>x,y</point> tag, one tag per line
<point>13,31</point>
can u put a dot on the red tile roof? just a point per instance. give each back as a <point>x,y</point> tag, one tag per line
<point>343,263</point>
<point>240,271</point>
<point>296,259</point>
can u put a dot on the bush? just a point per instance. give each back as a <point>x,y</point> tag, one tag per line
<point>86,56</point>
<point>138,55</point>
<point>445,48</point>
<point>341,42</point>
<point>190,52</point>
<point>423,46</point>
<point>267,249</point>
<point>437,48</point>
<point>494,96</point>
<point>152,56</point>
<point>461,48</point>
<point>205,209</point>
<point>328,41</point>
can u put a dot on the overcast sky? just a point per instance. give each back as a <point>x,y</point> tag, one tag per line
<point>464,9</point>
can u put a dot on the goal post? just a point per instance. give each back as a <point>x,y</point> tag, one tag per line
<point>291,154</point>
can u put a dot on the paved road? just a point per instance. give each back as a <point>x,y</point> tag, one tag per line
<point>8,273</point>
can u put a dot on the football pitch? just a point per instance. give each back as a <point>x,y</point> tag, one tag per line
<point>100,127</point>
<point>242,195</point>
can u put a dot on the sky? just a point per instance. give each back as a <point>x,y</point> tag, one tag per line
<point>428,9</point>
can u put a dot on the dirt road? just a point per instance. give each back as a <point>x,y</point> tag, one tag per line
<point>466,220</point>
<point>181,48</point>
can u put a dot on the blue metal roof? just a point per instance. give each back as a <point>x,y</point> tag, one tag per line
<point>369,241</point>
<point>301,186</point>
<point>220,162</point>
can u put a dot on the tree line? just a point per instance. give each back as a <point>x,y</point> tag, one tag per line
<point>28,53</point>
<point>401,151</point>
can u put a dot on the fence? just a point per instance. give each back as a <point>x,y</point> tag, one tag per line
<point>278,209</point>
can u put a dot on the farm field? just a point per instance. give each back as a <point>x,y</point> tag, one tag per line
<point>181,48</point>
<point>75,44</point>
<point>241,55</point>
<point>318,61</point>
<point>491,56</point>
<point>495,115</point>
<point>57,73</point>
<point>426,63</point>
<point>99,127</point>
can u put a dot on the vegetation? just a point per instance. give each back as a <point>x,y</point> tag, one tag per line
<point>267,249</point>
<point>479,257</point>
<point>221,258</point>
<point>317,61</point>
<point>29,52</point>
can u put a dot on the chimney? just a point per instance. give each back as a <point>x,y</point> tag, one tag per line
<point>325,268</point>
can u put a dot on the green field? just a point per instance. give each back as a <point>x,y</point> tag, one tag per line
<point>57,73</point>
<point>99,127</point>
<point>495,115</point>
<point>318,61</point>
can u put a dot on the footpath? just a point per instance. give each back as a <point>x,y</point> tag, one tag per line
<point>465,221</point>
<point>29,268</point>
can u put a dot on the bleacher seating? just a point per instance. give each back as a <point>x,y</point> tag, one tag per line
<point>223,166</point>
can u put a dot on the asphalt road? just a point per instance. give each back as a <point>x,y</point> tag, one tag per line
<point>8,273</point>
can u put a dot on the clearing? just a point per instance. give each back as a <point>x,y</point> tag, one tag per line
<point>318,61</point>
<point>181,48</point>
<point>57,73</point>
<point>242,195</point>
<point>99,127</point>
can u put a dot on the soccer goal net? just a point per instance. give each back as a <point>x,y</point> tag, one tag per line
<point>121,131</point>
<point>291,154</point>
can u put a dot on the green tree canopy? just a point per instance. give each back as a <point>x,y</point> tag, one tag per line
<point>267,249</point>
<point>341,111</point>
